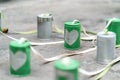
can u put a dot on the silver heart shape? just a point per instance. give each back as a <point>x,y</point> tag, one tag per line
<point>71,37</point>
<point>17,60</point>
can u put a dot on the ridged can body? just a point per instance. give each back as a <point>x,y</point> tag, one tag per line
<point>115,27</point>
<point>44,26</point>
<point>105,47</point>
<point>72,35</point>
<point>20,58</point>
<point>66,70</point>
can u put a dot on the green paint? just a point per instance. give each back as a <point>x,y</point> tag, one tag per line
<point>24,56</point>
<point>67,70</point>
<point>115,27</point>
<point>72,35</point>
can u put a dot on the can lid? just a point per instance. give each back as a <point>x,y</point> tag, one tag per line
<point>66,64</point>
<point>45,17</point>
<point>71,23</point>
<point>109,34</point>
<point>20,43</point>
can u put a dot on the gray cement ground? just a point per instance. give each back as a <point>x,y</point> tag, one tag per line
<point>21,16</point>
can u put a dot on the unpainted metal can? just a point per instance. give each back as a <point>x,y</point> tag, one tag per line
<point>44,26</point>
<point>105,47</point>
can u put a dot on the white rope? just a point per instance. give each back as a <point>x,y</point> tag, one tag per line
<point>8,36</point>
<point>70,54</point>
<point>82,71</point>
<point>53,58</point>
<point>109,23</point>
<point>89,37</point>
<point>101,70</point>
<point>46,43</point>
<point>65,55</point>
<point>84,31</point>
<point>108,66</point>
<point>38,54</point>
<point>88,73</point>
<point>56,57</point>
<point>75,21</point>
<point>61,56</point>
<point>34,43</point>
<point>60,31</point>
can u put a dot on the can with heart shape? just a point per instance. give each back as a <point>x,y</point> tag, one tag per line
<point>20,58</point>
<point>72,35</point>
<point>66,69</point>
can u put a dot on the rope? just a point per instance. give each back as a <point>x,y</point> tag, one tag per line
<point>105,29</point>
<point>107,68</point>
<point>56,29</point>
<point>60,56</point>
<point>34,43</point>
<point>46,43</point>
<point>104,70</point>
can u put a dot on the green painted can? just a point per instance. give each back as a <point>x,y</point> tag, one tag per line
<point>72,35</point>
<point>0,20</point>
<point>115,27</point>
<point>66,69</point>
<point>20,58</point>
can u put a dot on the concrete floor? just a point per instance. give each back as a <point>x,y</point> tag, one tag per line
<point>21,16</point>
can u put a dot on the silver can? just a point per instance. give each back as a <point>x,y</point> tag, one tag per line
<point>44,26</point>
<point>105,47</point>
